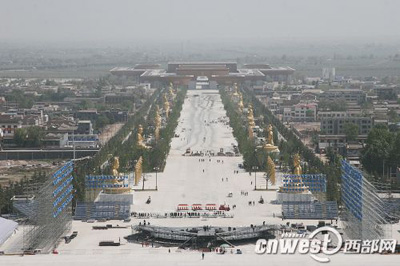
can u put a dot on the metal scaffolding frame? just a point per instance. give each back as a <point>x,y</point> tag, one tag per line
<point>364,215</point>
<point>51,212</point>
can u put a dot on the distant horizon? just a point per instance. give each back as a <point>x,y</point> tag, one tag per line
<point>103,22</point>
<point>233,41</point>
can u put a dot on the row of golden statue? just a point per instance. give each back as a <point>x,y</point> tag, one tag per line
<point>141,143</point>
<point>157,119</point>
<point>296,185</point>
<point>269,146</point>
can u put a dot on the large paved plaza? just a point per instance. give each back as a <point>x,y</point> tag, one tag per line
<point>203,127</point>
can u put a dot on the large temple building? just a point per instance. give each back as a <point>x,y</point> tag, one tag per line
<point>189,73</point>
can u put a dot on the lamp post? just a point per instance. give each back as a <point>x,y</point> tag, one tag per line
<point>156,168</point>
<point>143,181</point>
<point>255,168</point>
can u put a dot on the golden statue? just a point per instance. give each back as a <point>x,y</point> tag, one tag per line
<point>140,139</point>
<point>235,89</point>
<point>138,170</point>
<point>295,183</point>
<point>297,168</point>
<point>171,90</point>
<point>271,170</point>
<point>157,123</point>
<point>115,167</point>
<point>251,133</point>
<point>241,105</point>
<point>250,116</point>
<point>270,133</point>
<point>117,181</point>
<point>166,106</point>
<point>157,118</point>
<point>269,145</point>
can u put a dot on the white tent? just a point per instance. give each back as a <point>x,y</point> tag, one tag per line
<point>7,228</point>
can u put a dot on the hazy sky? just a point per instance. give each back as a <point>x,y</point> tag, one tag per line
<point>134,20</point>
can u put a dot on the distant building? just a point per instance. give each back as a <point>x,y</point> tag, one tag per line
<point>118,98</point>
<point>83,140</point>
<point>225,73</point>
<point>84,127</point>
<point>89,114</point>
<point>300,112</point>
<point>336,125</point>
<point>336,114</point>
<point>52,140</point>
<point>10,122</point>
<point>349,95</point>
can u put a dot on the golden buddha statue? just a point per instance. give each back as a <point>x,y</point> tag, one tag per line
<point>295,184</point>
<point>269,145</point>
<point>138,170</point>
<point>251,133</point>
<point>166,106</point>
<point>235,90</point>
<point>296,162</point>
<point>250,116</point>
<point>241,106</point>
<point>140,139</point>
<point>157,123</point>
<point>117,181</point>
<point>171,90</point>
<point>115,167</point>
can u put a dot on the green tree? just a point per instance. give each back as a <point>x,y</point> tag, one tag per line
<point>393,116</point>
<point>20,137</point>
<point>351,131</point>
<point>34,136</point>
<point>377,149</point>
<point>101,121</point>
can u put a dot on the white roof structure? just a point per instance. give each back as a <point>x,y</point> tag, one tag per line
<point>7,228</point>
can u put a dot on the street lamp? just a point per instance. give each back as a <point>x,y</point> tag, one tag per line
<point>255,168</point>
<point>156,168</point>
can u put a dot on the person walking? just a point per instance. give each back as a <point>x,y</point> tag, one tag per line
<point>202,255</point>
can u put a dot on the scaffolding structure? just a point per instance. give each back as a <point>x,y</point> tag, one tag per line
<point>102,210</point>
<point>314,183</point>
<point>326,210</point>
<point>364,215</point>
<point>51,214</point>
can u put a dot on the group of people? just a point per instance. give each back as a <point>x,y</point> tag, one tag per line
<point>226,179</point>
<point>244,193</point>
<point>144,223</point>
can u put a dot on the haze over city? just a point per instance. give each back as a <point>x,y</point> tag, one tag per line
<point>75,21</point>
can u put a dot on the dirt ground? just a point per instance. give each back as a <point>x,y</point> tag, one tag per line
<point>15,170</point>
<point>109,131</point>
